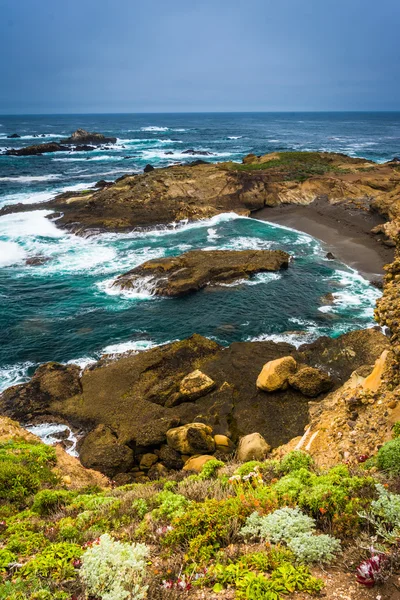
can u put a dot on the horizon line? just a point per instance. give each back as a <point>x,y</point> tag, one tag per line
<point>215,112</point>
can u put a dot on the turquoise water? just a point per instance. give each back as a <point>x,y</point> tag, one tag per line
<point>66,310</point>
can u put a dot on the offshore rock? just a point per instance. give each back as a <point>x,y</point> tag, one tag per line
<point>81,136</point>
<point>194,270</point>
<point>37,149</point>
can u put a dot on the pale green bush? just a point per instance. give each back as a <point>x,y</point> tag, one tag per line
<point>314,548</point>
<point>113,570</point>
<point>280,526</point>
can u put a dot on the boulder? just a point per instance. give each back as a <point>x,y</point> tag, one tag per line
<point>157,471</point>
<point>223,444</point>
<point>195,385</point>
<point>193,438</point>
<point>147,461</point>
<point>13,136</point>
<point>194,270</point>
<point>102,451</point>
<point>170,458</point>
<point>148,169</point>
<point>196,463</point>
<point>311,382</point>
<point>81,136</point>
<point>275,374</point>
<point>330,256</point>
<point>252,447</point>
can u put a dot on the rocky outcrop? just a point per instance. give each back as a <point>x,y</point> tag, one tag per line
<point>252,447</point>
<point>81,136</point>
<point>199,190</point>
<point>194,270</point>
<point>275,374</point>
<point>37,149</point>
<point>130,395</point>
<point>102,451</point>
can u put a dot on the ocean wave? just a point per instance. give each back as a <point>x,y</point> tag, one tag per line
<point>255,280</point>
<point>130,346</point>
<point>11,253</point>
<point>31,179</point>
<point>154,128</point>
<point>234,137</point>
<point>14,374</point>
<point>46,195</point>
<point>47,432</point>
<point>152,154</point>
<point>294,338</point>
<point>143,289</point>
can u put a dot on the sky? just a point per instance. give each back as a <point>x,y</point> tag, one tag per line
<point>106,56</point>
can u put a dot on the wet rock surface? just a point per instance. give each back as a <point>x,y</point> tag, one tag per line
<point>192,271</point>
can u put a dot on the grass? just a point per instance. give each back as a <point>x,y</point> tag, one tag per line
<point>292,166</point>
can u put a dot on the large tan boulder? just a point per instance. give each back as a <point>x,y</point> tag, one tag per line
<point>275,374</point>
<point>196,463</point>
<point>195,385</point>
<point>252,447</point>
<point>311,382</point>
<point>223,444</point>
<point>193,438</point>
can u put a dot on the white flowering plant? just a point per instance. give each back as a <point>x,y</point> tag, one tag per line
<point>113,570</point>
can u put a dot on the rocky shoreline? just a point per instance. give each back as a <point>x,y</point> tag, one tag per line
<point>147,386</point>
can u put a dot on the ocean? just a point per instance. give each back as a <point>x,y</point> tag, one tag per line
<point>66,309</point>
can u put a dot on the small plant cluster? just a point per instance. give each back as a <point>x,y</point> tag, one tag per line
<point>297,530</point>
<point>62,544</point>
<point>260,575</point>
<point>113,570</point>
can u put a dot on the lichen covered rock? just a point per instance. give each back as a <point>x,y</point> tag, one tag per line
<point>275,374</point>
<point>311,382</point>
<point>193,438</point>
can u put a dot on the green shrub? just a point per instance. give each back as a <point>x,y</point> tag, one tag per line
<point>170,505</point>
<point>6,557</point>
<point>17,482</point>
<point>210,469</point>
<point>54,562</point>
<point>26,543</point>
<point>388,458</point>
<point>140,506</point>
<point>314,548</point>
<point>206,527</point>
<point>68,531</point>
<point>396,430</point>
<point>295,460</point>
<point>49,501</point>
<point>113,570</point>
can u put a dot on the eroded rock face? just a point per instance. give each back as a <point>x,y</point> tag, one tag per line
<point>130,394</point>
<point>252,447</point>
<point>193,438</point>
<point>192,271</point>
<point>275,374</point>
<point>311,382</point>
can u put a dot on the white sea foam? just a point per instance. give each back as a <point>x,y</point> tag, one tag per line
<point>11,253</point>
<point>46,195</point>
<point>31,179</point>
<point>154,128</point>
<point>143,289</point>
<point>295,339</point>
<point>234,137</point>
<point>29,224</point>
<point>47,433</point>
<point>14,374</point>
<point>130,346</point>
<point>161,154</point>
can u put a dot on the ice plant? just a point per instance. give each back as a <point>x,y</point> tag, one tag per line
<point>369,571</point>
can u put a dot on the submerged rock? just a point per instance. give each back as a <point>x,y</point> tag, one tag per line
<point>13,136</point>
<point>37,149</point>
<point>194,270</point>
